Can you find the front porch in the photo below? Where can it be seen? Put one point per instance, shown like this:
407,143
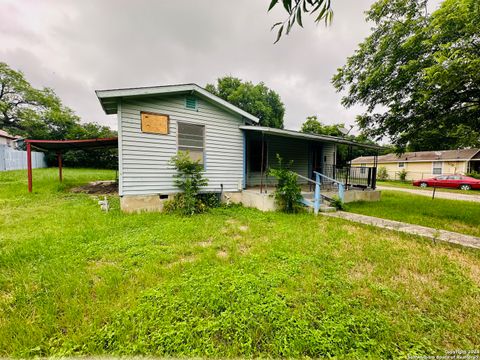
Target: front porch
313,158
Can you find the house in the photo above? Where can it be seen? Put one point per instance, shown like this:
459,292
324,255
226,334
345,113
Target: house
426,164
7,139
154,123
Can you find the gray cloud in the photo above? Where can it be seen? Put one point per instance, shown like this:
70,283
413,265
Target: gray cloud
76,47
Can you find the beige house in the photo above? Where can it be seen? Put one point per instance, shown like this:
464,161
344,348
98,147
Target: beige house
425,164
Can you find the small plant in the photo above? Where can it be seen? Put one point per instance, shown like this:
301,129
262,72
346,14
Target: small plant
474,174
288,193
337,203
403,175
382,174
189,179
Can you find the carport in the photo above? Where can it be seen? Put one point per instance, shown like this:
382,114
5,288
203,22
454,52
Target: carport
60,146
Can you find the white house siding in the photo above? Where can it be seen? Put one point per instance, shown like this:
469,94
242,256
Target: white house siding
144,158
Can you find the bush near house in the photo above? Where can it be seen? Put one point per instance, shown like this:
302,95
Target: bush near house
288,193
233,282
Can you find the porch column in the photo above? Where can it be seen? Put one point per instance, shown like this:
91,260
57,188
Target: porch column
59,157
29,166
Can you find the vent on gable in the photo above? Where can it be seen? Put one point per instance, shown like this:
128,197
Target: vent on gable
191,103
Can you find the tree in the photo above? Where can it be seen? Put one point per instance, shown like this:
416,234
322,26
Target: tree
313,126
257,100
320,9
31,112
417,73
40,114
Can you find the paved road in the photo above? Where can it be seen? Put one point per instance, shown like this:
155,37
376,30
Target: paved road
438,194
430,233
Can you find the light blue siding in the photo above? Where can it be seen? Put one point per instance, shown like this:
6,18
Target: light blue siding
144,158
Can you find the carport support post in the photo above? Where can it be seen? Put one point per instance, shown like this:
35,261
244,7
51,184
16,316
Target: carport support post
59,157
29,166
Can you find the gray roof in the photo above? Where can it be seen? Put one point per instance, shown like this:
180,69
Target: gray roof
425,156
109,98
306,136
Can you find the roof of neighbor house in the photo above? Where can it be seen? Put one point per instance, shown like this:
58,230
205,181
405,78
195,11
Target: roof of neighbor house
422,156
4,134
109,98
306,136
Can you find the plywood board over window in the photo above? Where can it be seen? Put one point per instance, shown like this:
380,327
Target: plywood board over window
155,123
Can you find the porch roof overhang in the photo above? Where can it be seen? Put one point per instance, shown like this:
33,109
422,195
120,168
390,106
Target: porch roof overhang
306,136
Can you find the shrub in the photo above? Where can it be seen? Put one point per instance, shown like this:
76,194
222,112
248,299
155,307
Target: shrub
403,175
337,203
288,193
189,179
382,174
474,174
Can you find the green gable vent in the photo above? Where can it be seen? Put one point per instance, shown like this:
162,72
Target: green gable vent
191,103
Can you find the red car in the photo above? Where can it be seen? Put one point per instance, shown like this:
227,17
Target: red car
450,181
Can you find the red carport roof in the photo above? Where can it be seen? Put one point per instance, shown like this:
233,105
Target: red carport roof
85,144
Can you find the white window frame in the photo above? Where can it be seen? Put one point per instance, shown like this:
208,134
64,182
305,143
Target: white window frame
204,162
363,169
433,167
401,164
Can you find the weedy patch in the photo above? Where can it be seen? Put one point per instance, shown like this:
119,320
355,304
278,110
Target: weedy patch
233,282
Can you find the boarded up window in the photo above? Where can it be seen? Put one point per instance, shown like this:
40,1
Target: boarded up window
191,139
155,123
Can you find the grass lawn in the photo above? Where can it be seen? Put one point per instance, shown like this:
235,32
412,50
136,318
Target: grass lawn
452,215
234,282
408,185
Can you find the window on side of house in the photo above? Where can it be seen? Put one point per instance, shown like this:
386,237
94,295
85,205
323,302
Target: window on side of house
437,167
401,164
255,155
363,168
191,139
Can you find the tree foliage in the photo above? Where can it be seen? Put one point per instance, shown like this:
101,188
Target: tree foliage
257,100
39,114
418,74
314,126
320,9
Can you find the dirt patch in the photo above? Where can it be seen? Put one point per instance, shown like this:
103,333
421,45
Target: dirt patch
222,254
205,243
97,187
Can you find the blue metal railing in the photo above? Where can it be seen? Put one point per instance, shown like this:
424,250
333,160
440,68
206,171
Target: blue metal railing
341,187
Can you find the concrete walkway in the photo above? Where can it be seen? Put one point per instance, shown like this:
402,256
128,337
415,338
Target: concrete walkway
433,234
438,194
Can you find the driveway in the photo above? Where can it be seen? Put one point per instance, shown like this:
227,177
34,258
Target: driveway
438,194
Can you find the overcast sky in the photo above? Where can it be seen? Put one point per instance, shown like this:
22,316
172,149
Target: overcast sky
76,47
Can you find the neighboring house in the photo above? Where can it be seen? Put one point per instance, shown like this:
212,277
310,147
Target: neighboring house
425,164
13,159
154,123
7,139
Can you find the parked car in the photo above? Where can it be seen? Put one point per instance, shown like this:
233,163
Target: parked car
450,181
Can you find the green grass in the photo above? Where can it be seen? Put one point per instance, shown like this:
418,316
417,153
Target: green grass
408,185
452,215
234,282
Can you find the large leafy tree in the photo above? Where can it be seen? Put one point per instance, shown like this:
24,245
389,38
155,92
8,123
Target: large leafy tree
418,74
30,112
40,114
257,99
